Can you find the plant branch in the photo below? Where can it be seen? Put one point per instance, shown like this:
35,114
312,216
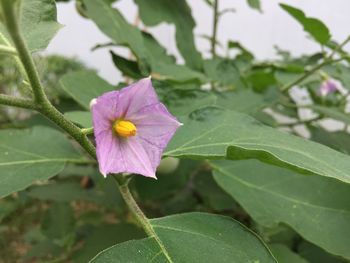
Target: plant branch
17,102
215,28
122,183
309,73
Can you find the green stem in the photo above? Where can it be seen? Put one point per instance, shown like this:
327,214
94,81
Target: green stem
309,73
137,212
215,28
17,102
23,52
87,131
7,50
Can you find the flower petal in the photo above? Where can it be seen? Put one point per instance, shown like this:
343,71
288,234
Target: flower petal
155,124
108,153
105,111
137,96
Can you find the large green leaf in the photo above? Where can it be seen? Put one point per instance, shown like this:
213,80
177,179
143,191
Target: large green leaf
192,237
316,207
216,133
154,12
83,86
31,155
316,28
38,23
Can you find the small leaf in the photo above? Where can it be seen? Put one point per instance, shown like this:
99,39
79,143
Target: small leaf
316,207
316,28
192,237
255,4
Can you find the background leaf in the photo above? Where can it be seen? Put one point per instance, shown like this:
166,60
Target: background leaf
37,23
31,155
316,28
83,86
317,208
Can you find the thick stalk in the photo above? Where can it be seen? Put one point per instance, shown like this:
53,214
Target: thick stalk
137,212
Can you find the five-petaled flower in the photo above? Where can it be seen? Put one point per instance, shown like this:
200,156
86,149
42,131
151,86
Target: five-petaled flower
328,86
131,129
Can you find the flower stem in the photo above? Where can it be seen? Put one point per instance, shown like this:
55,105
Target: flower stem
137,212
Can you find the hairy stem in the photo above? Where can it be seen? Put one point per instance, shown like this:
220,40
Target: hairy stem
137,212
215,28
17,102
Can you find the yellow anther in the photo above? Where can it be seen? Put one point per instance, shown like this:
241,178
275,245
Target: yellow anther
125,128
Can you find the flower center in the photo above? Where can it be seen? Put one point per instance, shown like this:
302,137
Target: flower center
125,128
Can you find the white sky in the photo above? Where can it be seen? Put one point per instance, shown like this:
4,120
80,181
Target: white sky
257,32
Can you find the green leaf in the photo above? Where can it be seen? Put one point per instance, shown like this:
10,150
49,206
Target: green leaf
315,254
83,86
154,12
216,133
255,4
113,24
284,255
38,23
192,237
318,208
83,118
31,155
316,28
58,221
127,67
103,237
223,71
176,73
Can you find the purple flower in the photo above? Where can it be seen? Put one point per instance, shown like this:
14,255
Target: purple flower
131,129
328,86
